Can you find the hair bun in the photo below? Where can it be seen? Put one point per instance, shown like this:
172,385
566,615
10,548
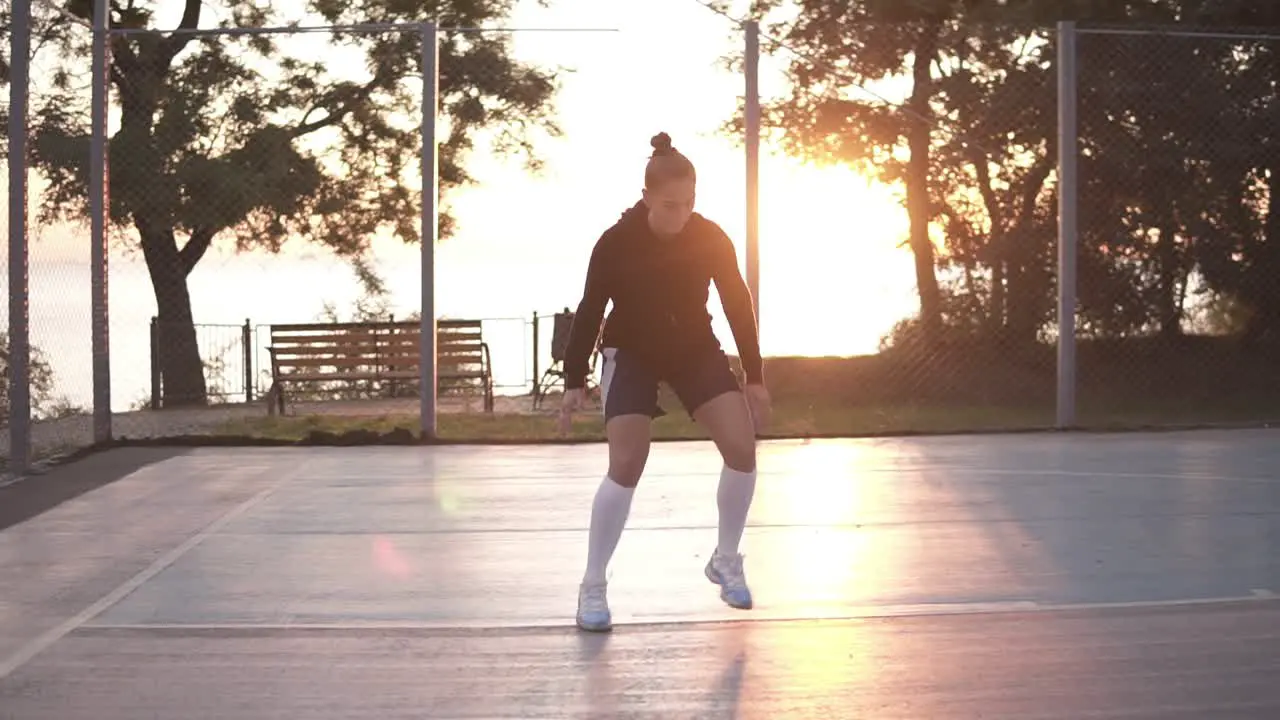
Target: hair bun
662,144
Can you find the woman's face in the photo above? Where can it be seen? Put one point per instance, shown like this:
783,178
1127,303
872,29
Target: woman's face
670,206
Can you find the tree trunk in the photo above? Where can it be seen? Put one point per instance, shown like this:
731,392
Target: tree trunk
1024,297
996,314
919,207
181,368
1168,270
997,242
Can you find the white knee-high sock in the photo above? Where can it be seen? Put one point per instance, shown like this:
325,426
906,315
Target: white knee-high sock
608,518
734,501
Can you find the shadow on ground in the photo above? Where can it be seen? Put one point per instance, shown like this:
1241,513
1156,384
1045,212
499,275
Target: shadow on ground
36,494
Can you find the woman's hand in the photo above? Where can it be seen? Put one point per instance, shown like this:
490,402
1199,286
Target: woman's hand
573,401
761,406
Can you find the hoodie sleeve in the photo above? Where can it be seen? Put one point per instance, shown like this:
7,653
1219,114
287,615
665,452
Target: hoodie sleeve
586,321
735,297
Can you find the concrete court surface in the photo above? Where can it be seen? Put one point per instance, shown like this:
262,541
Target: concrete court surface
1031,576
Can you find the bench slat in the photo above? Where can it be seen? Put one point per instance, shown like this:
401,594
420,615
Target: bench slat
325,327
373,331
373,359
350,362
380,351
331,346
390,375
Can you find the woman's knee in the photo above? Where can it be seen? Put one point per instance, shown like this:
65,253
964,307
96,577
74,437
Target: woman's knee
728,419
739,452
627,472
628,449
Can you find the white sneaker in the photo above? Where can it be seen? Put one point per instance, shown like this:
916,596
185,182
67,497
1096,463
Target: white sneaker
726,571
593,608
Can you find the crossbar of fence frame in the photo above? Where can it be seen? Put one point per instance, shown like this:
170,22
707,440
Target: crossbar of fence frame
1164,32
333,29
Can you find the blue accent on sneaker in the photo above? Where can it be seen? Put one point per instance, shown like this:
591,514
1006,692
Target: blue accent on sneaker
738,597
593,608
595,621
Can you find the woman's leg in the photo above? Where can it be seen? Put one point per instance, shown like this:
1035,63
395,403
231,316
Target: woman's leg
628,437
629,393
714,399
728,422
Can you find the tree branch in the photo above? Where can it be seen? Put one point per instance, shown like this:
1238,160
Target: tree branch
197,245
357,97
177,41
122,55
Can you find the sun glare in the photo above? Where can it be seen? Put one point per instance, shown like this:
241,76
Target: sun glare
834,277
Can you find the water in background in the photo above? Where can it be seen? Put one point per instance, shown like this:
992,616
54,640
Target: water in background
472,283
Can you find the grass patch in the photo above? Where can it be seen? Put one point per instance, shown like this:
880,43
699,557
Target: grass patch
789,421
1189,382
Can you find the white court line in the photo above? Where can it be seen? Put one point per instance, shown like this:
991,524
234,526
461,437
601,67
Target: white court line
53,635
852,613
1117,475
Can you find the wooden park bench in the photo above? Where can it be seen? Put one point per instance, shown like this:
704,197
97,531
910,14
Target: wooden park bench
379,351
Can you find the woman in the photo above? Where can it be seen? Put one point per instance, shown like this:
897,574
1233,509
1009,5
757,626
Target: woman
656,265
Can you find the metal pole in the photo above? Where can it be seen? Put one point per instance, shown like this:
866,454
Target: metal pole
752,113
98,189
1068,240
19,323
430,227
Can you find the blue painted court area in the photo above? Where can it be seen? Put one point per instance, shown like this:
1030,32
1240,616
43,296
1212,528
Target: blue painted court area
1045,576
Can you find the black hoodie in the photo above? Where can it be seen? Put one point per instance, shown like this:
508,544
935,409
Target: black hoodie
659,288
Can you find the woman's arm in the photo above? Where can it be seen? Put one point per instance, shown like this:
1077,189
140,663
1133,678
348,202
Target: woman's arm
586,322
735,298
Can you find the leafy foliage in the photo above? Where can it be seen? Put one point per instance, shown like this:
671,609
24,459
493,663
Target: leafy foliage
268,138
956,100
46,401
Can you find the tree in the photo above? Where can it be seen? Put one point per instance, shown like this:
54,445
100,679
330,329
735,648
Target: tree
996,152
1177,138
1243,262
259,140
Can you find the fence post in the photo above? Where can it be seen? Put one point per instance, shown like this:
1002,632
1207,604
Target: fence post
155,363
430,230
1068,133
535,357
752,117
98,256
19,291
246,341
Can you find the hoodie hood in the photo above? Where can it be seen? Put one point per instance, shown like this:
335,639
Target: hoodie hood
636,213
635,219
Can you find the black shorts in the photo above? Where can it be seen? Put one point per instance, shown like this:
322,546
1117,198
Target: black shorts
629,386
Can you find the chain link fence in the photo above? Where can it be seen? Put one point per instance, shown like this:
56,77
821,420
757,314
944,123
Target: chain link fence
1153,241
48,326
934,267
1179,271
922,238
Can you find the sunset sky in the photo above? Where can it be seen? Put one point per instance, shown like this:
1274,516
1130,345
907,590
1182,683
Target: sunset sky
834,277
